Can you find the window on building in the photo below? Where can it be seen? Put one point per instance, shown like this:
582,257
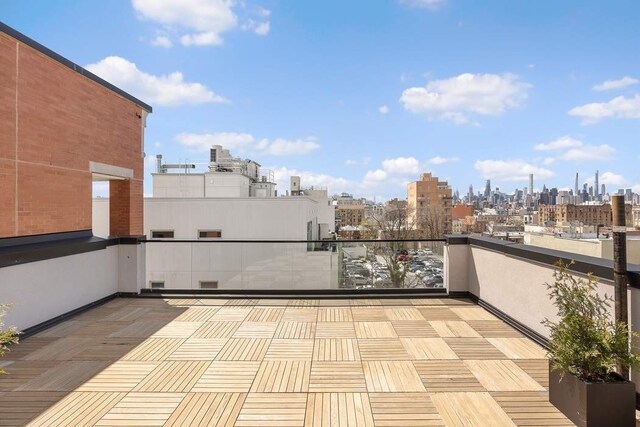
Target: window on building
157,285
210,234
162,234
208,284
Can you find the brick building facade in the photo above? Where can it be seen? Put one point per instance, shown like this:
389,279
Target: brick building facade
60,128
586,214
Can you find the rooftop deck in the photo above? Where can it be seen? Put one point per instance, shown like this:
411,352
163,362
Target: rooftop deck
384,362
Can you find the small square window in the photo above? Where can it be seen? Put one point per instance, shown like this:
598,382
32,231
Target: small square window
162,234
157,285
210,234
209,284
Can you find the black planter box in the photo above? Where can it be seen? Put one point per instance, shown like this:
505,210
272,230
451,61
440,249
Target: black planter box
593,404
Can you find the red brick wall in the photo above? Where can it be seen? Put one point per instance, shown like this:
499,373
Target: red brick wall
64,121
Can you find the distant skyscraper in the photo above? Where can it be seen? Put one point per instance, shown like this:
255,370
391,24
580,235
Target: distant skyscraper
576,192
531,184
470,193
487,188
596,188
603,191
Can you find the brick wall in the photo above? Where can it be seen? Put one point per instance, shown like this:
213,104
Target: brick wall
53,122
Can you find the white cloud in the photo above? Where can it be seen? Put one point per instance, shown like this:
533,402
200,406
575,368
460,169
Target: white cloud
455,98
559,144
635,188
438,160
401,166
375,175
352,162
549,161
244,142
286,147
618,108
510,170
616,84
427,4
383,109
609,178
589,152
204,20
263,29
162,41
165,90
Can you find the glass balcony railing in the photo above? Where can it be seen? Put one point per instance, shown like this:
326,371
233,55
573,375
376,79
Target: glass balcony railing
294,265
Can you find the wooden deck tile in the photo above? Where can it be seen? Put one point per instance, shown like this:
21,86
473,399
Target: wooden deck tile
62,329
427,348
338,409
273,302
244,349
122,376
154,349
404,409
473,313
427,301
537,369
382,349
295,330
20,407
470,409
173,376
474,348
215,302
149,409
177,330
265,315
22,371
530,408
216,329
27,347
290,350
369,314
300,315
282,376
335,330
438,313
356,302
197,314
207,409
142,328
181,302
227,377
65,376
454,329
414,329
519,348
494,329
337,377
256,330
78,409
341,314
100,328
241,302
446,375
231,314
303,303
336,349
404,313
334,302
198,349
273,409
396,302
61,349
391,376
502,375
375,330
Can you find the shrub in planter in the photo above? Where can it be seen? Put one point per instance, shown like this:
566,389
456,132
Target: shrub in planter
7,336
585,348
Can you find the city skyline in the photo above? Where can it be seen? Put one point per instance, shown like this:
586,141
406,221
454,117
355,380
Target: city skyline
364,99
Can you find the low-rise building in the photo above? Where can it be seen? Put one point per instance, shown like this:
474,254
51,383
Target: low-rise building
585,214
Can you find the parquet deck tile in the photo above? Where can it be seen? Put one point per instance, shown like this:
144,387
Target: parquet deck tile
61,349
122,376
23,371
142,328
502,375
273,409
369,314
494,329
428,348
198,349
217,329
300,314
19,407
154,349
173,376
473,313
369,302
213,302
295,330
375,330
65,376
177,330
231,314
474,348
404,313
337,377
303,303
339,314
438,313
537,369
265,315
391,376
290,349
530,408
470,409
334,302
282,376
335,330
197,314
382,349
256,330
427,301
149,409
181,302
518,348
414,328
454,329
240,302
207,409
404,409
338,409
447,375
336,349
227,377
107,349
27,347
253,349
79,409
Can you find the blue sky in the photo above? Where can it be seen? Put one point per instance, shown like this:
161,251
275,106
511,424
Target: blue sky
362,96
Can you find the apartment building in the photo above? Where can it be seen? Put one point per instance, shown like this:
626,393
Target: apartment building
350,215
429,202
563,215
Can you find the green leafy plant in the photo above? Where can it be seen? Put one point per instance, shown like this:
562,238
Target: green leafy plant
7,336
586,341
